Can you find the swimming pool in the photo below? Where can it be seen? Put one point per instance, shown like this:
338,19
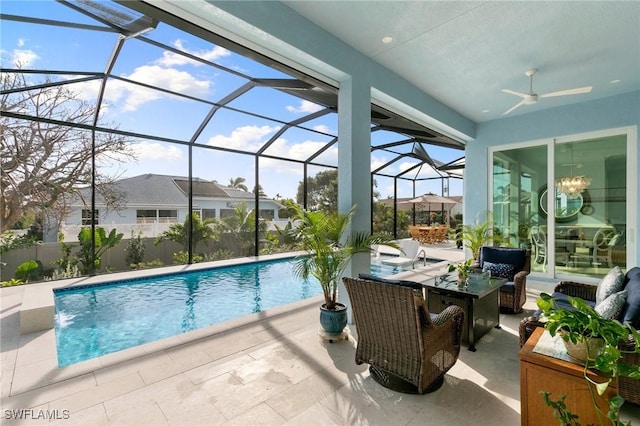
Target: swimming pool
96,320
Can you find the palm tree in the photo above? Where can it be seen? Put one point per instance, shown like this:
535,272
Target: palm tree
202,230
238,183
258,189
329,247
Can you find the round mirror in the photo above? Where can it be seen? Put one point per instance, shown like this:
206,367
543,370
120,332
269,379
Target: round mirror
566,208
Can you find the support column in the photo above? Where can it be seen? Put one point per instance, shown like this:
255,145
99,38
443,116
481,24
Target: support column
354,166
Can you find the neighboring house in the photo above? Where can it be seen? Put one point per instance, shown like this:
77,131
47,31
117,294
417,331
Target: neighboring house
151,203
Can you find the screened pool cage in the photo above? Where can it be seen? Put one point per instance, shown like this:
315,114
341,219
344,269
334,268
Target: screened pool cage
146,93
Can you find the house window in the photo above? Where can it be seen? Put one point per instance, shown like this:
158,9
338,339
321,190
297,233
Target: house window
227,213
156,216
86,217
208,214
267,214
167,216
145,216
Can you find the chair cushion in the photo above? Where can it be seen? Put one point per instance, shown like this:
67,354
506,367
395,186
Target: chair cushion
612,306
509,287
500,270
632,306
411,284
611,283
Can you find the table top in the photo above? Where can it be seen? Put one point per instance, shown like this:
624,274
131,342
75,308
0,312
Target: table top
449,283
559,361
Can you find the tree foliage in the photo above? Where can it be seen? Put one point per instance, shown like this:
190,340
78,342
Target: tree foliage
201,230
43,162
383,220
238,183
322,192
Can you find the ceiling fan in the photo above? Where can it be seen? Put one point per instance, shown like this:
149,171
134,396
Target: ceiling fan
532,97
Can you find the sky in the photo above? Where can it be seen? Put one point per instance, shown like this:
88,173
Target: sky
143,110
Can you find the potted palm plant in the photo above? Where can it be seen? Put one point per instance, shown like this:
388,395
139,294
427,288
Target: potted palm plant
329,247
480,234
590,336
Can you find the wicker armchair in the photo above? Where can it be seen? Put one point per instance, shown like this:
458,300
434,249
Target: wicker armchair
513,295
407,349
628,388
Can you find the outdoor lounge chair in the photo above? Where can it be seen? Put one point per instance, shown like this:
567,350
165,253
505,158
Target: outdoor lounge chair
410,252
514,264
407,349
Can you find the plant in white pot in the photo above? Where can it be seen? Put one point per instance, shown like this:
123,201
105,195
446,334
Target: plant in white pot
329,247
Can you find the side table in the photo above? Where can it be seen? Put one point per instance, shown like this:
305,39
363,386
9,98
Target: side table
557,376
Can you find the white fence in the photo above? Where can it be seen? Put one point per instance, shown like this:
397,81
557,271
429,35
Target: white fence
145,230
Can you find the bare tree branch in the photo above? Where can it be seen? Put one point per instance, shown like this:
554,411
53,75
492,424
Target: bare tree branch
42,164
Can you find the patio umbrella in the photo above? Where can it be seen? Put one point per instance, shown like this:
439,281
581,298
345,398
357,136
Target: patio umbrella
430,198
433,202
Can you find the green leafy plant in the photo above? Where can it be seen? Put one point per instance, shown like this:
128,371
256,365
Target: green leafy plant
29,271
147,265
12,282
329,247
479,234
463,268
135,250
103,242
201,231
582,322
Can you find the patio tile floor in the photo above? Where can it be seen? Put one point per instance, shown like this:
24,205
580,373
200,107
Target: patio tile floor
266,369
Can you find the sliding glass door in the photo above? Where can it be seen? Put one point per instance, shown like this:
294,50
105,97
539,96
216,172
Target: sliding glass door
573,215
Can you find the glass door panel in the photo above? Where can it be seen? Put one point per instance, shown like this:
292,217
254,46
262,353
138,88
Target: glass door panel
590,205
518,177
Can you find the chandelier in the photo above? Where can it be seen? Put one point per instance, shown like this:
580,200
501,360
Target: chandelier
572,185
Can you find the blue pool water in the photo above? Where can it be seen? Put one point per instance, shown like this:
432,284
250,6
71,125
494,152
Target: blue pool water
96,320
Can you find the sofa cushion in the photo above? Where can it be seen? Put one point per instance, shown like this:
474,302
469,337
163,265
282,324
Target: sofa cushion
611,283
412,284
631,313
612,306
500,270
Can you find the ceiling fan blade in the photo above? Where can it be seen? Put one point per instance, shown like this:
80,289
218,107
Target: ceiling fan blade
513,92
513,107
577,91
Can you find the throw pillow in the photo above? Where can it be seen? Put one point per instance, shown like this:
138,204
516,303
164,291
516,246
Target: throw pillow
611,307
611,283
500,270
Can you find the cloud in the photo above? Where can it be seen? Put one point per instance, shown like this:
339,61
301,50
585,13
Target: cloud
23,57
296,151
132,96
170,59
305,107
247,138
322,128
155,151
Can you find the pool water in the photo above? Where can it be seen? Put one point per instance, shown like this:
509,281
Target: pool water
96,320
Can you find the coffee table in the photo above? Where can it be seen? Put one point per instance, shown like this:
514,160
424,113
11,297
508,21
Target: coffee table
479,300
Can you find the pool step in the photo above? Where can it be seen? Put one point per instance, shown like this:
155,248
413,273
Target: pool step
37,310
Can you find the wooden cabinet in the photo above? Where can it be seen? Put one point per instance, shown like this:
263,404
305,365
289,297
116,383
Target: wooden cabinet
559,377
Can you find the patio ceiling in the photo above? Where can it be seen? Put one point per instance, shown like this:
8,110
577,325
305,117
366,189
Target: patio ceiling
404,141
464,53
